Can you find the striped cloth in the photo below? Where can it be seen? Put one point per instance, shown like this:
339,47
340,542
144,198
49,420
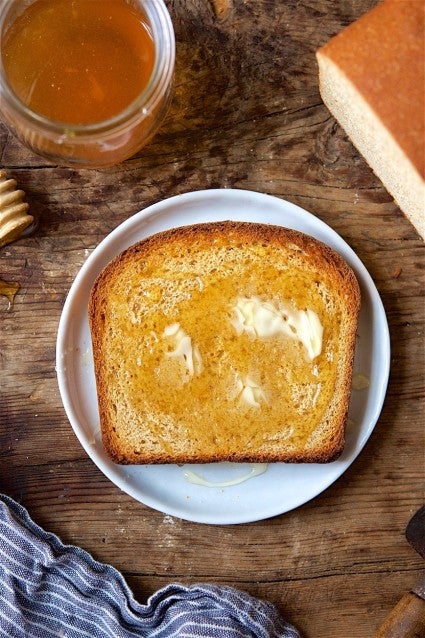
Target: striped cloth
48,590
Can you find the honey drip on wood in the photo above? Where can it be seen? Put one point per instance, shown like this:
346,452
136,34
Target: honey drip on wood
9,290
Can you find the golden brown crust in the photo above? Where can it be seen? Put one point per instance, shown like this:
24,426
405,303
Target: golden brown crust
147,256
382,55
248,232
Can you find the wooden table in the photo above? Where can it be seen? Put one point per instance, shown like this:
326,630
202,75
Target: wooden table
246,114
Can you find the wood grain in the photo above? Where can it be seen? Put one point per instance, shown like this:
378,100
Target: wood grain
247,114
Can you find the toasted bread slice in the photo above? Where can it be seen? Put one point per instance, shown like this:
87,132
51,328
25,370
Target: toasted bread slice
224,341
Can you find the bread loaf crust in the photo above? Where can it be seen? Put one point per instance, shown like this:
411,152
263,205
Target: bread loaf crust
372,79
382,54
181,246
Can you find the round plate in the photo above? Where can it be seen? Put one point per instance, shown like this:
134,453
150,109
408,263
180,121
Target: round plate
282,487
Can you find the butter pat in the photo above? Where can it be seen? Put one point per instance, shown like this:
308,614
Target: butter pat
250,393
184,351
263,319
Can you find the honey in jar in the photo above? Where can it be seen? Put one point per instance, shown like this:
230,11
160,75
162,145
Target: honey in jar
85,81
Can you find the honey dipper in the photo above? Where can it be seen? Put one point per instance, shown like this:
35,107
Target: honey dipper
14,217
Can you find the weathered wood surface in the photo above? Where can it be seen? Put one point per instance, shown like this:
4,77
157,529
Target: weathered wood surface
246,114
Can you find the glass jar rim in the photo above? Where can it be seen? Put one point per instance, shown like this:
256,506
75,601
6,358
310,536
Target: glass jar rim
161,76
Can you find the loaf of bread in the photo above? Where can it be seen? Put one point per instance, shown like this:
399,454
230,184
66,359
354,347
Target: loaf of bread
224,341
372,79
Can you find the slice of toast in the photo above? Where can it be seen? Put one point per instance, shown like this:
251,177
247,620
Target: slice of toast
224,341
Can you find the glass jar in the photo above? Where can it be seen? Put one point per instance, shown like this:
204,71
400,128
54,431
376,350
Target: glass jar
106,142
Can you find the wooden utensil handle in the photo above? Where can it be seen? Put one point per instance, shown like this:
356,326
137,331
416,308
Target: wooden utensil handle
406,620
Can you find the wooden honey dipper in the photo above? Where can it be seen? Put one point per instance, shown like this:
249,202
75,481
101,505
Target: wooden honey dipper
14,217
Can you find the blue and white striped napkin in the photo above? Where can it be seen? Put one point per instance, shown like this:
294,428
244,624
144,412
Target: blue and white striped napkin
52,590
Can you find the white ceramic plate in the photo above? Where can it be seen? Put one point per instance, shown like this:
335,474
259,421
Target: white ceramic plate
282,487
